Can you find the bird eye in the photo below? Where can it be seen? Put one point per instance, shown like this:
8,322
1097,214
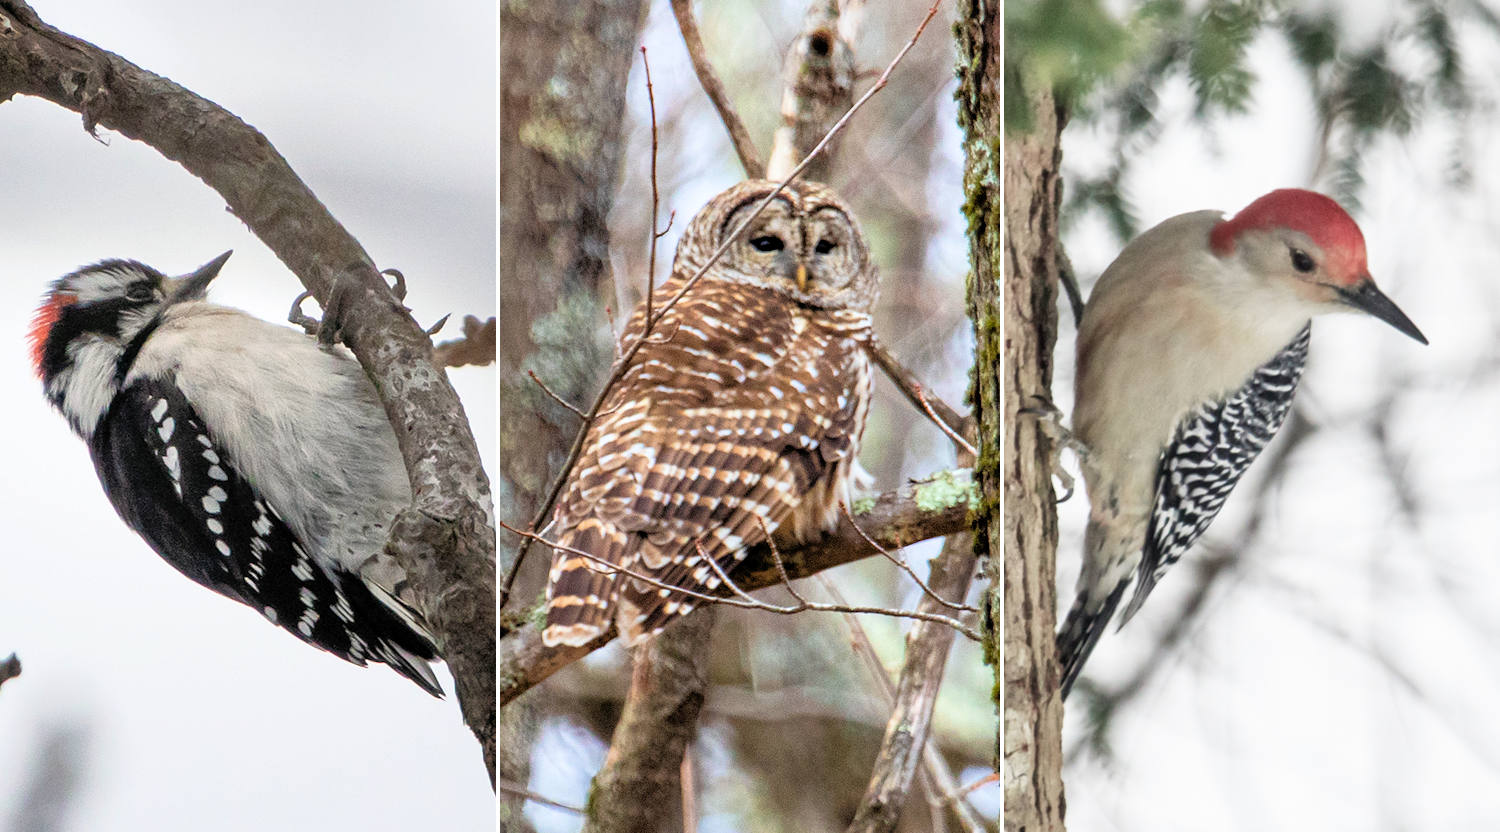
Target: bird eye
824,246
1302,262
140,292
767,243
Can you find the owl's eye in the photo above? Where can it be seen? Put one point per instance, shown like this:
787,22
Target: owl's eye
139,292
824,246
1302,262
767,243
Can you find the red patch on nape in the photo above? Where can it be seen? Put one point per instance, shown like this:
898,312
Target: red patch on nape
1311,213
41,325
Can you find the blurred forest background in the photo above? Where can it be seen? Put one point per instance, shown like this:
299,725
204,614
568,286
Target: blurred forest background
1325,657
792,717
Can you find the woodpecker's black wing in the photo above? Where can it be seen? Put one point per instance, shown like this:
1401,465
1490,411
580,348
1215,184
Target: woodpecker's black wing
1210,451
178,489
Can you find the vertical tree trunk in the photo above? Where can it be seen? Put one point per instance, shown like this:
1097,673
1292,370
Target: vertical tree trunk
1033,707
564,67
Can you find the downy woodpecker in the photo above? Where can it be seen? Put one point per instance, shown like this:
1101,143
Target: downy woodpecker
1189,352
254,461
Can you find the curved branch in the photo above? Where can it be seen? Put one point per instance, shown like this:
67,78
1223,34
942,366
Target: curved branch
445,540
930,508
744,146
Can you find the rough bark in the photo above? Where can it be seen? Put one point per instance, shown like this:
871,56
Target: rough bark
445,540
931,508
564,68
1033,708
639,787
927,647
817,88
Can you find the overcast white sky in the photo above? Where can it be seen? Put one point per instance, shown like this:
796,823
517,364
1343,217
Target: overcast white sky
194,713
1345,676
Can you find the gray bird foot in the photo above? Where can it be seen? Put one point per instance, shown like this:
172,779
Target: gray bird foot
327,329
1049,423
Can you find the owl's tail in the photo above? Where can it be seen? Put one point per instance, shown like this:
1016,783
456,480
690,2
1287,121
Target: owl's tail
581,590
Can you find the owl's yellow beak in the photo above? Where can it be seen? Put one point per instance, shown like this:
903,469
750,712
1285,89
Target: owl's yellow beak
801,277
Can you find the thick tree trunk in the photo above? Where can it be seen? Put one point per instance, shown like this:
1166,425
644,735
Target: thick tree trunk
1033,707
564,70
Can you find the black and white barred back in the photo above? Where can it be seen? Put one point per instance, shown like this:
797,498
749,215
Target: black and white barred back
114,344
1210,451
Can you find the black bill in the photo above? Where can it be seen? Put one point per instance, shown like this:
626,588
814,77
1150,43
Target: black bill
195,283
1368,297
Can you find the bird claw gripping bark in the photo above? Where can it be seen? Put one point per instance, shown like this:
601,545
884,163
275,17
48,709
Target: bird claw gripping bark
398,288
1049,423
327,329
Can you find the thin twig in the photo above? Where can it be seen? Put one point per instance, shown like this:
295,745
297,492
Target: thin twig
555,398
940,780
738,135
940,412
747,601
894,519
513,789
906,568
623,363
655,193
992,778
962,443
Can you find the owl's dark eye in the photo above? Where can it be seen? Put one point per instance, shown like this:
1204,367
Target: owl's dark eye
140,292
767,243
1302,262
824,246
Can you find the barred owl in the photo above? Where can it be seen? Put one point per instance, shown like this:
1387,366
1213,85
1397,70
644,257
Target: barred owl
742,413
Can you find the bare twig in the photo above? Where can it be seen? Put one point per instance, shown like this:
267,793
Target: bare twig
513,789
738,135
555,398
745,600
942,414
906,568
655,192
921,677
623,363
893,519
940,781
992,778
689,791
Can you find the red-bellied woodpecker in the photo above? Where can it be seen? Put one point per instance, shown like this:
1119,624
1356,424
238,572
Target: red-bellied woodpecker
1189,353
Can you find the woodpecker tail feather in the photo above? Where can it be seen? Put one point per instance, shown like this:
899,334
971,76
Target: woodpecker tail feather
398,636
1080,631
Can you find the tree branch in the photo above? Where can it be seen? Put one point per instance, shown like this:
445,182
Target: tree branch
445,540
744,147
931,508
640,781
927,647
817,85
